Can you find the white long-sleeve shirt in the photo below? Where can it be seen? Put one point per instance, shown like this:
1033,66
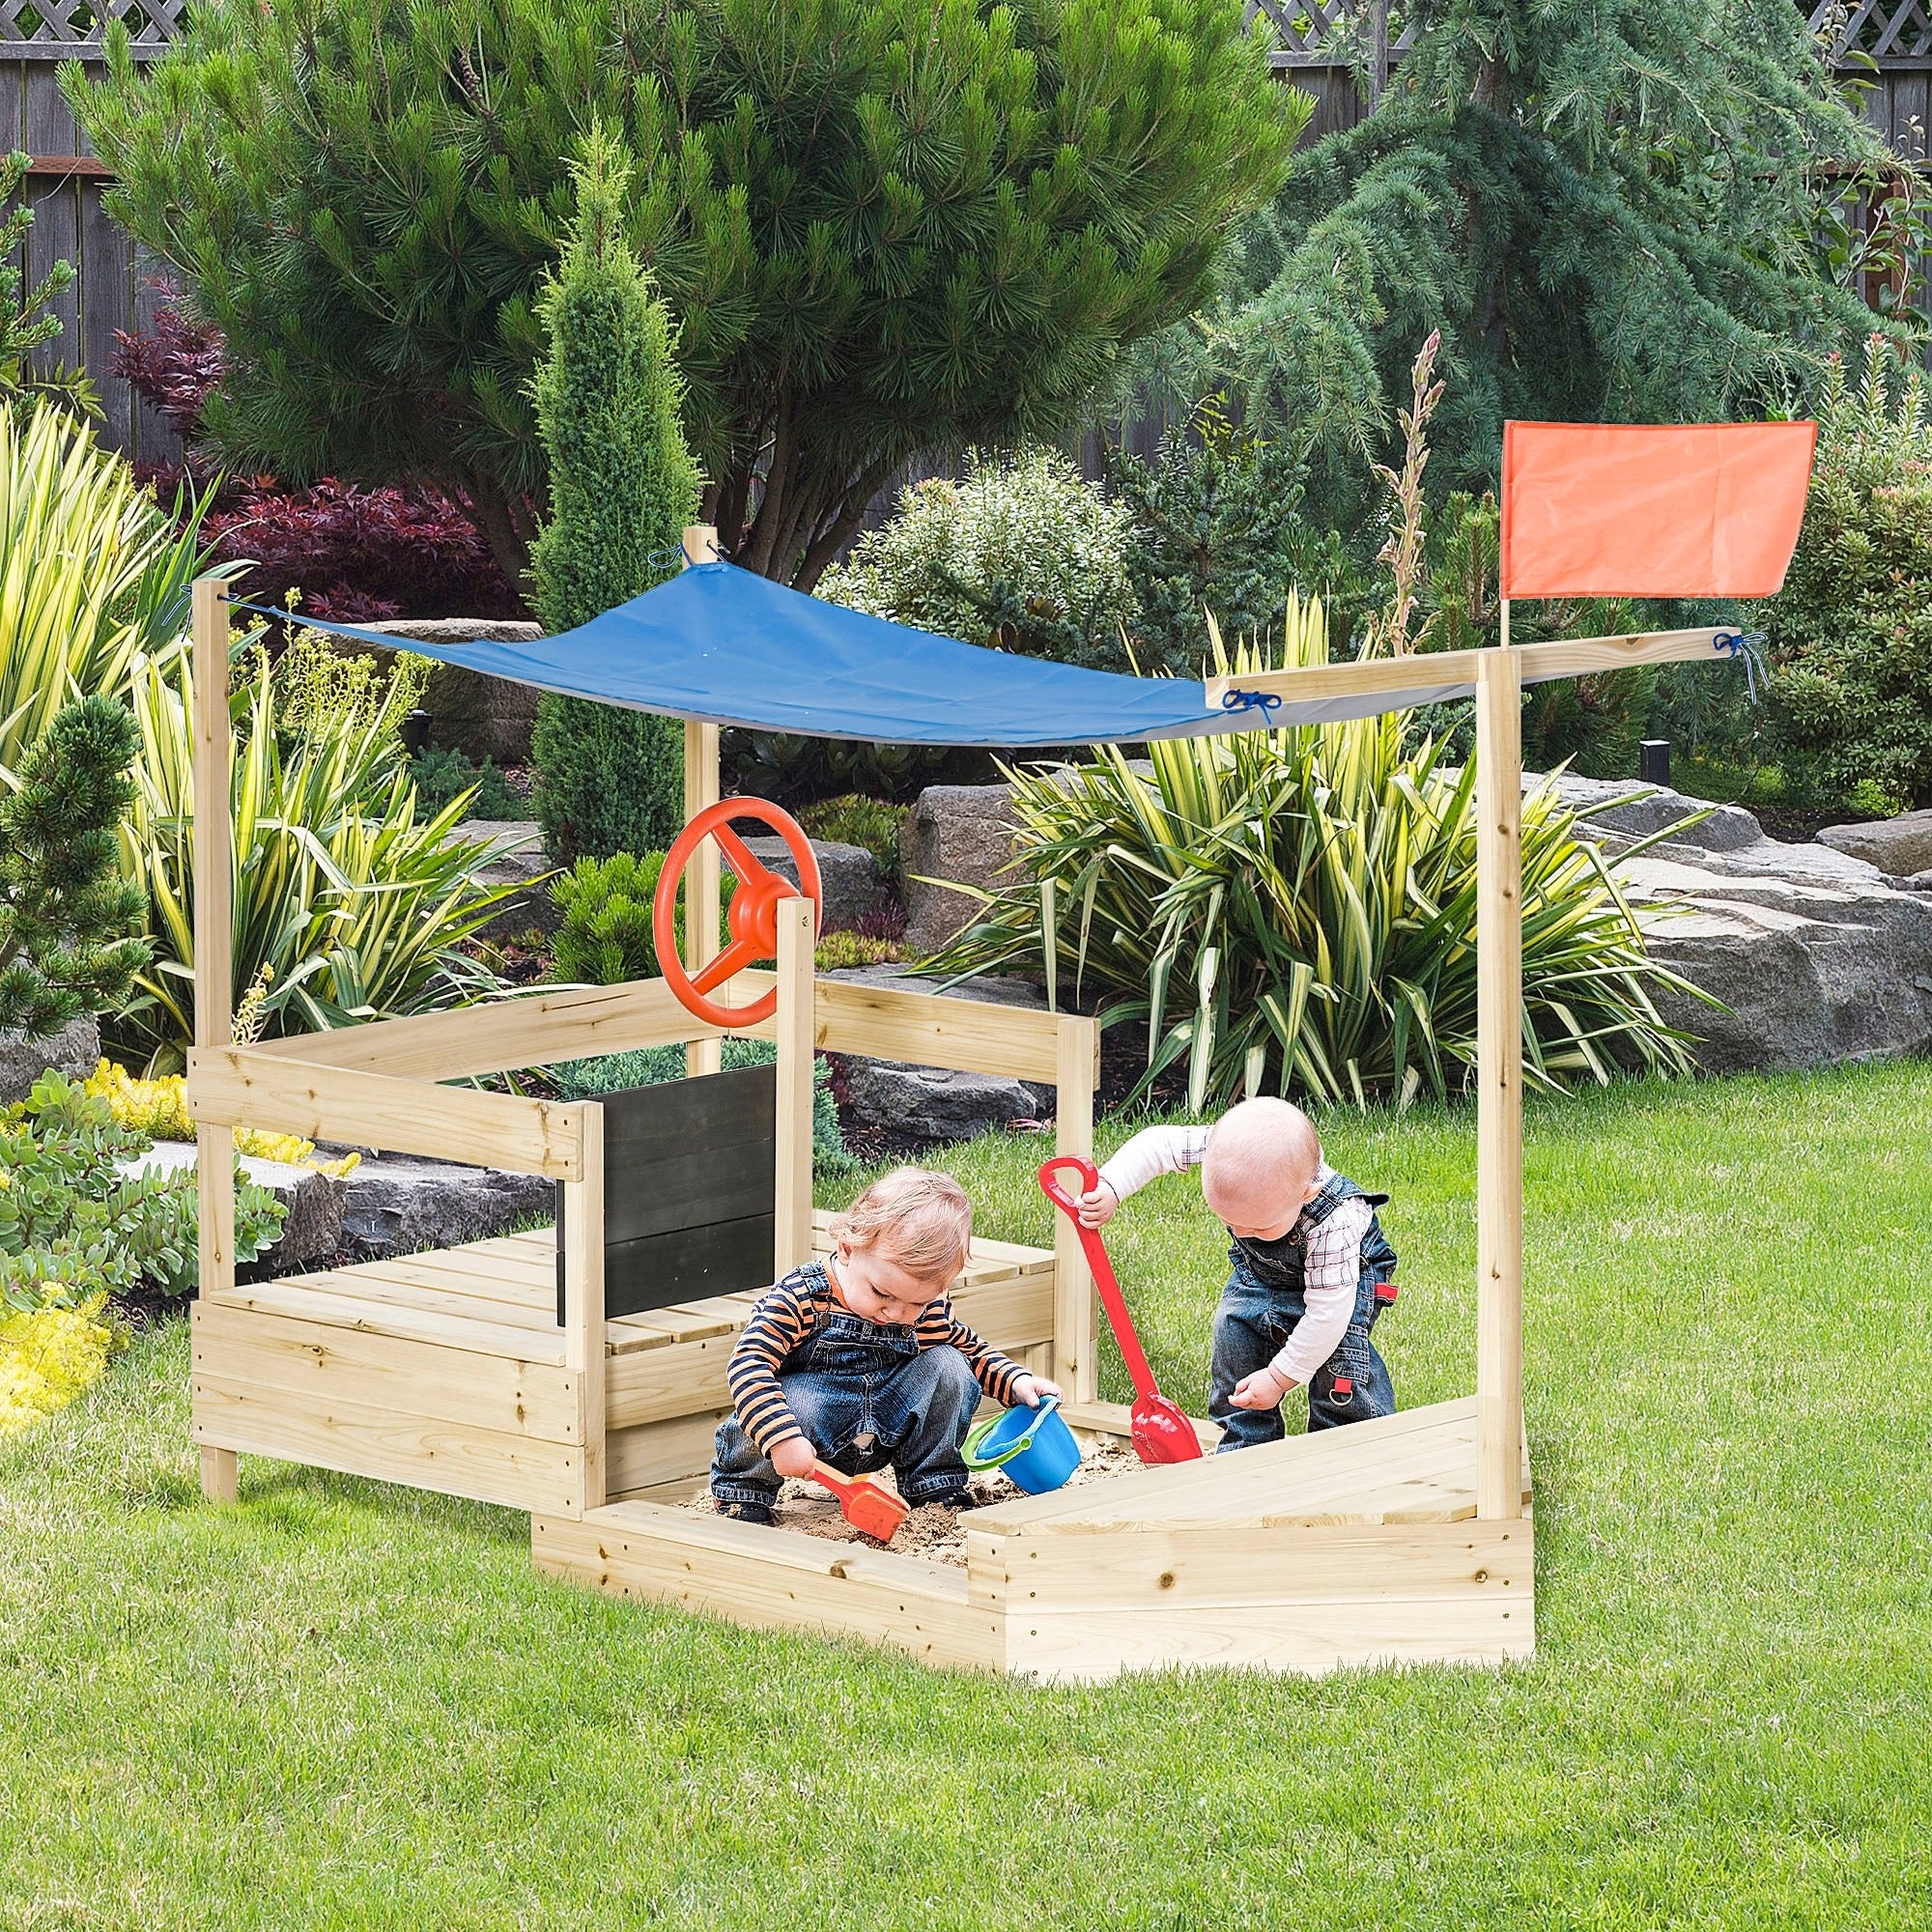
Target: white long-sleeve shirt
1331,1261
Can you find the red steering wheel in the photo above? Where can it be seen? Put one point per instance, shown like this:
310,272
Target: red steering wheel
753,920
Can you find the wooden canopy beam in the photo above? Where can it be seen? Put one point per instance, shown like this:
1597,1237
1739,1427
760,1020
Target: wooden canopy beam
1440,672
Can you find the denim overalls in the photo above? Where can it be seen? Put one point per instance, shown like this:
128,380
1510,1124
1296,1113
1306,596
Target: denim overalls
1259,1308
854,1379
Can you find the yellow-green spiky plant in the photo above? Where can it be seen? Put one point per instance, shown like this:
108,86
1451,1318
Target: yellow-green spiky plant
1296,910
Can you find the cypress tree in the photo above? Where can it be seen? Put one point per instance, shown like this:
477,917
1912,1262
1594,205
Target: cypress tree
69,922
622,488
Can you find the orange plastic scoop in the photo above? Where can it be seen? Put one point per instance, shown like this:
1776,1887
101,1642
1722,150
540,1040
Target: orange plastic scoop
871,1509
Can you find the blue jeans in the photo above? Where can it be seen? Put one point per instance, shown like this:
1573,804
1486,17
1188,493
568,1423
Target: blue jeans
1250,1327
854,1378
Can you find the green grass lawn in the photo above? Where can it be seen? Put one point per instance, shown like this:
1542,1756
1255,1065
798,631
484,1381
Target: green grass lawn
345,1705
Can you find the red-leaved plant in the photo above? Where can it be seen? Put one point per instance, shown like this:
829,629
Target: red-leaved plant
354,553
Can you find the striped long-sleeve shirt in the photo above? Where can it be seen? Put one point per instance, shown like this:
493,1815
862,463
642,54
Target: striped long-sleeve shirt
793,1312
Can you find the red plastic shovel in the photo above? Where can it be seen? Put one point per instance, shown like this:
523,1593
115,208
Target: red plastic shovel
1161,1432
869,1510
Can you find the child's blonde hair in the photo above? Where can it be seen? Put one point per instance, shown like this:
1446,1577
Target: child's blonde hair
920,1221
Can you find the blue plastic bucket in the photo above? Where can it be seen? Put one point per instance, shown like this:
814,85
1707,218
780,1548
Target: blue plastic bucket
1033,1446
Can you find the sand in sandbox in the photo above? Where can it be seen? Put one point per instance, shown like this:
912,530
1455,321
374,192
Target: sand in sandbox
939,1535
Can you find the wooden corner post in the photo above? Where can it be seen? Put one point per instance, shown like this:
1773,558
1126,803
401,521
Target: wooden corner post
1499,1085
214,964
1077,1077
700,788
584,1352
797,1044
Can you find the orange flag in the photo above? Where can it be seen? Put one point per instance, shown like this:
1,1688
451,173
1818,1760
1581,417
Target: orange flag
1621,510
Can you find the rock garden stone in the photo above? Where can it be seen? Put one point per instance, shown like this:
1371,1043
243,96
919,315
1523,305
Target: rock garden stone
847,874
518,859
1813,969
1899,847
312,1229
954,835
909,1107
481,717
74,1051
399,1204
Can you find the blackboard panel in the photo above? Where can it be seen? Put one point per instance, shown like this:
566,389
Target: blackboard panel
690,1191
688,1265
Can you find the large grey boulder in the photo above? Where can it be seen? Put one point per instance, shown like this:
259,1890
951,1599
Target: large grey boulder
399,1204
74,1051
312,1201
906,1107
848,875
517,859
1899,847
482,717
1622,812
954,835
1812,969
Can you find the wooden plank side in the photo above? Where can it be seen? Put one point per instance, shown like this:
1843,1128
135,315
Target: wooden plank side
675,1450
582,1310
926,1029
240,1087
314,1298
397,1285
1309,1640
771,1580
321,1363
1198,1567
422,1452
537,1030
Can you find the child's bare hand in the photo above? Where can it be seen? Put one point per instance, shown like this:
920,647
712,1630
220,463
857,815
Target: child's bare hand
1264,1389
794,1457
1098,1205
1033,1390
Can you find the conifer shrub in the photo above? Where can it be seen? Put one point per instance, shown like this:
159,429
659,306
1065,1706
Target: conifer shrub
606,937
1850,635
622,488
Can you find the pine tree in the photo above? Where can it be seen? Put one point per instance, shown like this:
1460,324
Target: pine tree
886,227
1612,209
622,488
68,920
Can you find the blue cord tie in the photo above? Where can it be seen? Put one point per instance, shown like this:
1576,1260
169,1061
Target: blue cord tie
1750,647
1267,702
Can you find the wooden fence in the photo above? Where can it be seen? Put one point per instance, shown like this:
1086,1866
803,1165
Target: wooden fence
1341,52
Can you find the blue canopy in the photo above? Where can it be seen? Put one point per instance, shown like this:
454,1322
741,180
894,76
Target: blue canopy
725,646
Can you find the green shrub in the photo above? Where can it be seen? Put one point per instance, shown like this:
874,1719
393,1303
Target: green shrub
68,920
653,1066
857,820
606,937
1216,526
442,776
837,950
72,1225
794,769
1850,635
1020,553
1296,909
322,690
352,905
